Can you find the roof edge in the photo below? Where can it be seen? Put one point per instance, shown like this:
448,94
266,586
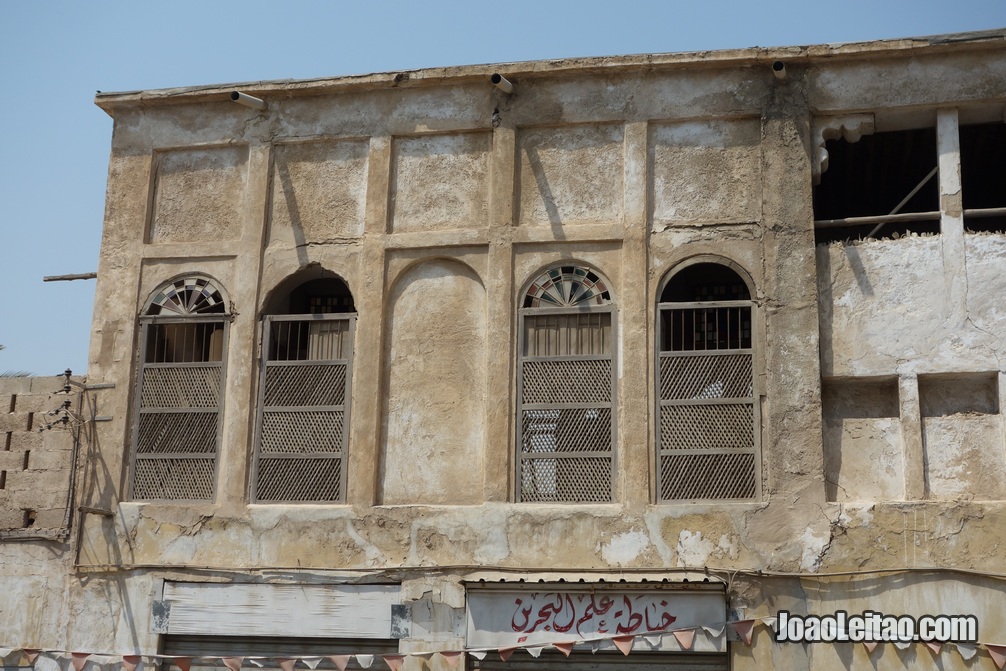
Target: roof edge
551,67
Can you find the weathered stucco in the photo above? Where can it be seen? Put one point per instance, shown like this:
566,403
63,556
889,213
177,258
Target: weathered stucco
878,374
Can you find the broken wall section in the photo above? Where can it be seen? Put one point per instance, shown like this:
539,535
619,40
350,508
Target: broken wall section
36,455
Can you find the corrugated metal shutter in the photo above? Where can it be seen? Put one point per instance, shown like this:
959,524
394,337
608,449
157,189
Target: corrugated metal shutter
583,660
272,648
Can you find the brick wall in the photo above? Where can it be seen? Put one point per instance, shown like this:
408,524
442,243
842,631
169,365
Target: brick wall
35,466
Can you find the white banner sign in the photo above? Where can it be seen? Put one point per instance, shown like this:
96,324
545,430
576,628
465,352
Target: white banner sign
499,619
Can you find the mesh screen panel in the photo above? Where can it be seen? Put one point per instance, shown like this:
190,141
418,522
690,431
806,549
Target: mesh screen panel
178,479
180,387
684,427
566,430
177,432
567,381
301,479
707,476
301,432
705,376
305,385
566,479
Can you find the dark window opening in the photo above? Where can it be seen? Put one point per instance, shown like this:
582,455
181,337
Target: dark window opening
876,177
312,339
983,177
715,327
191,342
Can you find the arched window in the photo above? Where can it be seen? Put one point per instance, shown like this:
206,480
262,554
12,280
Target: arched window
707,416
304,393
566,388
176,423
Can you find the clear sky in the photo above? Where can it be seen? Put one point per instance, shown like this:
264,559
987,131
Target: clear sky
55,55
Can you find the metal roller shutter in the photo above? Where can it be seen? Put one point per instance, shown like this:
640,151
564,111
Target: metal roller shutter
583,660
273,647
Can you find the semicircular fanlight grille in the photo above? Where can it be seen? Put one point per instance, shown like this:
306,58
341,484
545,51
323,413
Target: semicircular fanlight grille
187,296
567,286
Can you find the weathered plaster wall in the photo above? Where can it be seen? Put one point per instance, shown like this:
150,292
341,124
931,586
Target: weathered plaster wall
632,169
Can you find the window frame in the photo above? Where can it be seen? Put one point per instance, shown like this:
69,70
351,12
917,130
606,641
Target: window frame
261,409
609,308
755,352
145,322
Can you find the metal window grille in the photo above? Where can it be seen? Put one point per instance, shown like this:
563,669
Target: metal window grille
707,420
566,391
303,409
176,423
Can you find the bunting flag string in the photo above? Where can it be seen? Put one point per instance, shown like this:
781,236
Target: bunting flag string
684,636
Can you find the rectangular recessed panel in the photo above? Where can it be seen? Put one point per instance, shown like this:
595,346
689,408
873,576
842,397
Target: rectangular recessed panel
567,381
689,427
302,432
177,432
566,480
299,479
178,479
707,476
566,430
303,385
705,376
180,387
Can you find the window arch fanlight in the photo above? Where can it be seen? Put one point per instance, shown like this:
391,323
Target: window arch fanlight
566,388
304,391
176,422
707,420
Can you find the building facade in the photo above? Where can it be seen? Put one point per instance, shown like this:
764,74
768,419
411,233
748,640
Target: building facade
541,361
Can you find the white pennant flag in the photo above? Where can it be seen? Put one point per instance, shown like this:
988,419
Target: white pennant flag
595,645
6,652
967,651
478,654
714,631
535,652
311,662
902,645
365,661
653,641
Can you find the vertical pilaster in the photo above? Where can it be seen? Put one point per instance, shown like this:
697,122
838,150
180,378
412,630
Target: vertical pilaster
911,437
499,454
951,213
635,329
366,428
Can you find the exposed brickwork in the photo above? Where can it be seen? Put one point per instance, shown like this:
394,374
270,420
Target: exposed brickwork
35,466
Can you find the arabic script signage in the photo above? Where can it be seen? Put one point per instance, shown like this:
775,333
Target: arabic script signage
505,618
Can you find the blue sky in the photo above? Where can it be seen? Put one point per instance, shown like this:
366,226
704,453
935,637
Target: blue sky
55,55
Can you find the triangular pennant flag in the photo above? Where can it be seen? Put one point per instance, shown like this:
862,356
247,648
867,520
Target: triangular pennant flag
998,654
31,654
595,645
870,646
967,651
744,629
286,663
770,621
715,632
183,663
685,638
535,652
5,652
478,654
365,661
452,657
257,661
130,662
902,645
505,653
313,662
394,662
340,661
624,643
653,641
79,659
232,663
934,646
422,655
564,648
